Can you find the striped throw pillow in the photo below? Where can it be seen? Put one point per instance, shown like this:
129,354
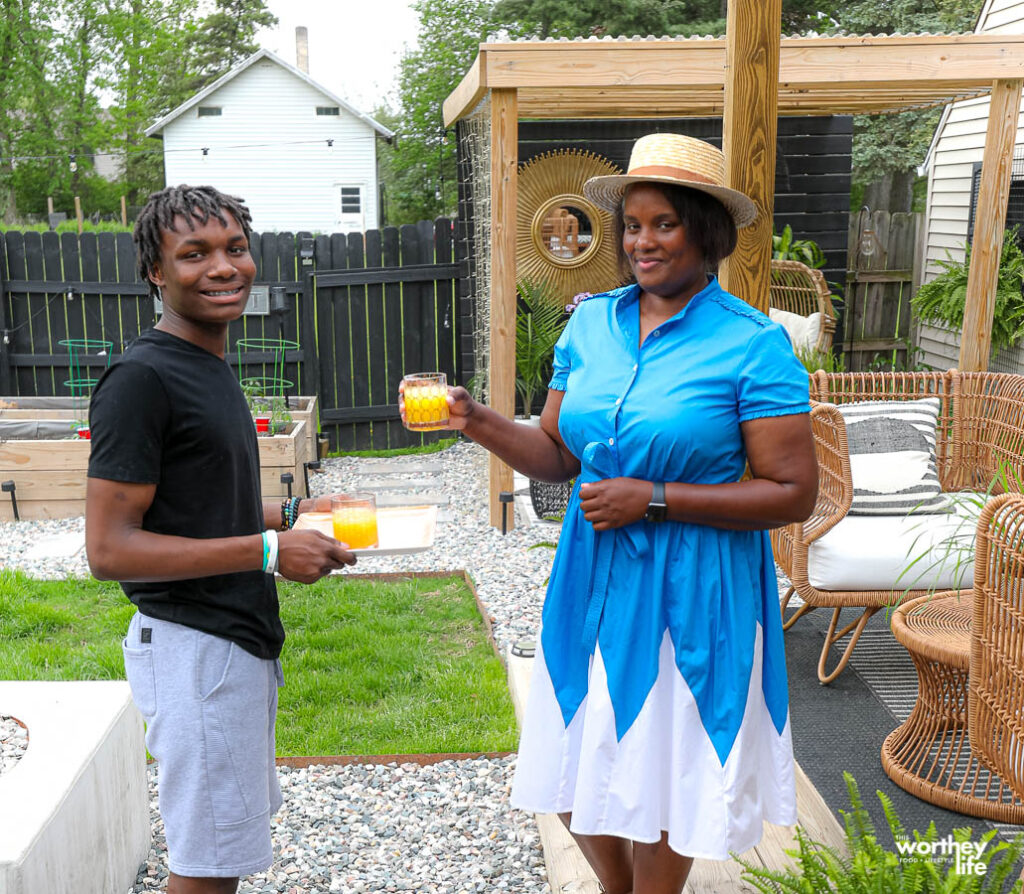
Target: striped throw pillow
892,456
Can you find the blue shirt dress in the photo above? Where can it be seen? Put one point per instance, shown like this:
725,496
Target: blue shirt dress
659,697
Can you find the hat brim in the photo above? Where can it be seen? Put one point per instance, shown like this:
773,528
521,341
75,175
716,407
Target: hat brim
606,192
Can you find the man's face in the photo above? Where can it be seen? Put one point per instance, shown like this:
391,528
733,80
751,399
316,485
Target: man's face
205,274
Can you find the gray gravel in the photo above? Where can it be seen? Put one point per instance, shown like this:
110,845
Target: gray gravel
13,742
443,828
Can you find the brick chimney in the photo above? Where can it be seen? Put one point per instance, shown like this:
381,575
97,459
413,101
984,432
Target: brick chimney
302,49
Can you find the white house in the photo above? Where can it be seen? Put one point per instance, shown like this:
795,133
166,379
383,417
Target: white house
301,157
953,166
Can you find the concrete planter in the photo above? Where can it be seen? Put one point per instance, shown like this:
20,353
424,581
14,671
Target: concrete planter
76,806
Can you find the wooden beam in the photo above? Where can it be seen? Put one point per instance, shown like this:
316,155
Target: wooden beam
749,129
989,224
853,63
463,99
502,368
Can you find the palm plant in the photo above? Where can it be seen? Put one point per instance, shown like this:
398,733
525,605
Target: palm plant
540,319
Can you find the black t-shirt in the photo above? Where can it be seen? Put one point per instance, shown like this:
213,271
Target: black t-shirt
172,414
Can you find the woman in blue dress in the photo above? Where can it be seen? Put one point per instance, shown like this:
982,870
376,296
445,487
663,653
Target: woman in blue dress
657,724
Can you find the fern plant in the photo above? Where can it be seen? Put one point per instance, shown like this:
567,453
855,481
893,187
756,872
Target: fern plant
942,300
873,869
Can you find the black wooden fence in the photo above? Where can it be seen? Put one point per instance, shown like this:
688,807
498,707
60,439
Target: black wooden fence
363,308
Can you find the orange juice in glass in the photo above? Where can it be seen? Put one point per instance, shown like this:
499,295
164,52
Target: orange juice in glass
354,517
426,401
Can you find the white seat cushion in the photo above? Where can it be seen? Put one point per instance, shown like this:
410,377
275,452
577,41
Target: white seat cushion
897,552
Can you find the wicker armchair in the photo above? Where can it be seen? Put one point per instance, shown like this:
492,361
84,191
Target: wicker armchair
995,700
980,435
962,747
802,290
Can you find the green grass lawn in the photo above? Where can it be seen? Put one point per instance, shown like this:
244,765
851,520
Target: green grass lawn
389,666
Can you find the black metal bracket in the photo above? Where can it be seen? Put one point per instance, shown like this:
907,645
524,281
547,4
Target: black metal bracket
288,478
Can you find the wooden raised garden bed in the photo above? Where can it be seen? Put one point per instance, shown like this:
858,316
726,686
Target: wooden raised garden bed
49,475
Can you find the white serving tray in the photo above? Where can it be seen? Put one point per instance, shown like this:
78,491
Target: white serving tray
401,530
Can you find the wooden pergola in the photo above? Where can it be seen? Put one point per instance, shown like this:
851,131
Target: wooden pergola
749,77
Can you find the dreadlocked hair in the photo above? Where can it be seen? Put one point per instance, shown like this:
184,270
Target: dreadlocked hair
192,203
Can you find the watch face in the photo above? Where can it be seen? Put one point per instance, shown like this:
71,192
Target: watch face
656,512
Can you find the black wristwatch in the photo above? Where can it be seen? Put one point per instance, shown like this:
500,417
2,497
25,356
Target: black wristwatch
657,509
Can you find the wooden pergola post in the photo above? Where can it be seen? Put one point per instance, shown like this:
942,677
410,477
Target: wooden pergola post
749,129
989,221
502,368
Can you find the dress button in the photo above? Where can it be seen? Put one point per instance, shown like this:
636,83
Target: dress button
634,367
618,401
657,333
611,441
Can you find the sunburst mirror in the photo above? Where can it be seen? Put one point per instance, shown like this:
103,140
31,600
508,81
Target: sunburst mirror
562,238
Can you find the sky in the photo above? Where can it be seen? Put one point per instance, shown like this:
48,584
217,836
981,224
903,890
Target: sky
354,45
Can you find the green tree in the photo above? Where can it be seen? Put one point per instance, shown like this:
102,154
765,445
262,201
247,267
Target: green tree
226,37
418,169
894,145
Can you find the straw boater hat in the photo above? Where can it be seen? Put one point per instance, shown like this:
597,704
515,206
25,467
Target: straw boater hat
673,158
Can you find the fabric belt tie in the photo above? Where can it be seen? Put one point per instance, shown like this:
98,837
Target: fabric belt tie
599,462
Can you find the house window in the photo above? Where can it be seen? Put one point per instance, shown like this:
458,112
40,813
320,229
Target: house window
351,199
1015,206
209,111
327,110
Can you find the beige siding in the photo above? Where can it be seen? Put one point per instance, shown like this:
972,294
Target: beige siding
940,349
270,147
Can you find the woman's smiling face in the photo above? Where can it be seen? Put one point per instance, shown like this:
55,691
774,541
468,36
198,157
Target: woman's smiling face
664,260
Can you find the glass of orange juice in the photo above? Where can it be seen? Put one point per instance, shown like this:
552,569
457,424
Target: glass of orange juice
354,517
426,401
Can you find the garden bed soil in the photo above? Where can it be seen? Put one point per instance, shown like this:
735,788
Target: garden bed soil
302,408
49,475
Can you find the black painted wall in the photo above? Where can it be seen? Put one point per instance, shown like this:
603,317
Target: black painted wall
812,178
812,170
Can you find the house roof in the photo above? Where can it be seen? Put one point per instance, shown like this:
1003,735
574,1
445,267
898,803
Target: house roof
941,126
671,76
259,55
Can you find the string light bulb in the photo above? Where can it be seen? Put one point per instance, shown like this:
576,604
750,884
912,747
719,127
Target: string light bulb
72,164
330,145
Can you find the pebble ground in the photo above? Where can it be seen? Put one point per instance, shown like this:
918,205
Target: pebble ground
445,828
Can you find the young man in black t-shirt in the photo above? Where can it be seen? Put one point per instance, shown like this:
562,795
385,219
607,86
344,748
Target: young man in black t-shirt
173,511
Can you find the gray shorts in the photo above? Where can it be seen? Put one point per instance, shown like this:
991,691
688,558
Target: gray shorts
209,708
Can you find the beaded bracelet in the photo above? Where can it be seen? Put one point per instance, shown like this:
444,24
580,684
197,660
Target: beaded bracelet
289,512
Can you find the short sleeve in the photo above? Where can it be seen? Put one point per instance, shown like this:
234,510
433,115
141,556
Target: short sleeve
127,418
562,363
771,381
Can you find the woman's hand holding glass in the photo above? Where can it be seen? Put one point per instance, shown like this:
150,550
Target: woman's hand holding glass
413,403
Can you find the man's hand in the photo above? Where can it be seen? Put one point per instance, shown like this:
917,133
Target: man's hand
307,555
614,502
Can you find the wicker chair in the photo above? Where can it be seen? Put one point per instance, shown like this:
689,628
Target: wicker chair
995,704
962,747
802,290
980,435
